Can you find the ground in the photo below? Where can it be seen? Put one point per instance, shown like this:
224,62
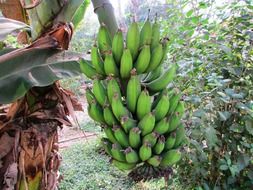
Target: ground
84,167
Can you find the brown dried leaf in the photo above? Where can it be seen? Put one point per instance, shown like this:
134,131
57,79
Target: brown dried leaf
69,106
13,9
6,144
10,177
63,121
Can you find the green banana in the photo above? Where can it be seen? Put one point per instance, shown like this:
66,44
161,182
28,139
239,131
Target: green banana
127,123
170,158
118,108
143,104
133,39
174,99
109,133
126,64
109,117
162,108
89,96
146,33
117,152
155,161
107,145
170,142
104,39
154,74
165,43
162,126
162,82
121,136
89,70
180,136
123,165
158,97
110,66
159,147
95,111
112,88
131,156
179,111
97,61
151,138
118,46
156,57
155,34
133,91
145,151
99,92
174,122
143,59
147,124
134,137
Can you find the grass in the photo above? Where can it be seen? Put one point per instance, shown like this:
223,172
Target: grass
91,126
85,169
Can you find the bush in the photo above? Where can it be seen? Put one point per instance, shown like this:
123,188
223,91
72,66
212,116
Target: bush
213,46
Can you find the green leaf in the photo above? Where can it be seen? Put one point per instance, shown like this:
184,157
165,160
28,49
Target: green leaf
224,115
211,136
235,127
189,13
226,49
224,167
203,5
79,14
36,67
199,113
249,126
73,11
243,161
8,26
195,19
206,36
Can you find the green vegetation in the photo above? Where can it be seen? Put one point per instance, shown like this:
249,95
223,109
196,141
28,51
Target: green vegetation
84,168
212,44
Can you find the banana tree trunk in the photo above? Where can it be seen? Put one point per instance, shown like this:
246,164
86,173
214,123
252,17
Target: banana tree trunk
29,157
29,139
105,13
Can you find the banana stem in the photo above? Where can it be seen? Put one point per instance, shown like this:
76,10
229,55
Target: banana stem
105,13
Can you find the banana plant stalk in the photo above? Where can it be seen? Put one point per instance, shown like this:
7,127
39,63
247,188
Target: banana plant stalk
28,127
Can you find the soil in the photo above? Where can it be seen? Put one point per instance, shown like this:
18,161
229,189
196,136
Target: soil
71,135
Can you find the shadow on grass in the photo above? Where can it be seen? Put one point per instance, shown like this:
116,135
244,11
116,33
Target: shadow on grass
84,168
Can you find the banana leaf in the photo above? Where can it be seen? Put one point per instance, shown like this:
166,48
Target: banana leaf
73,12
7,26
36,67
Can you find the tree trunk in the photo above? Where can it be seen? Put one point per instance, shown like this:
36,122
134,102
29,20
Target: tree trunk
29,158
105,13
28,139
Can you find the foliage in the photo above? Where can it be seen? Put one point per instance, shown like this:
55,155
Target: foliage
213,46
85,168
32,66
8,25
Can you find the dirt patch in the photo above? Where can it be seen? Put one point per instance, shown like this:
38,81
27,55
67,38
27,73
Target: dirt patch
71,135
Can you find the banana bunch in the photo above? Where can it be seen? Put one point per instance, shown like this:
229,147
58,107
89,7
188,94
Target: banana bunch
130,98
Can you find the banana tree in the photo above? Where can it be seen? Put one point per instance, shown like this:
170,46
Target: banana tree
36,105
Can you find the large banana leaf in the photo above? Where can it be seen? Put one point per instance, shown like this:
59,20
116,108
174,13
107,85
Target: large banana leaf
36,67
